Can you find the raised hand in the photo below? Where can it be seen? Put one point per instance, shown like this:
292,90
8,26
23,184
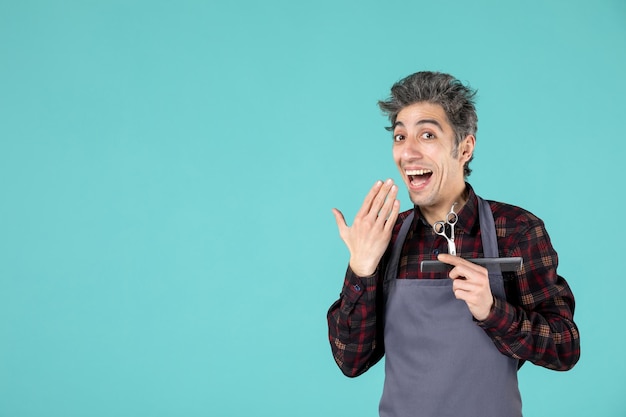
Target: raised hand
369,235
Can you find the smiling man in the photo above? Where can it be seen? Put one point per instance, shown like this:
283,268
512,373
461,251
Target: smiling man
453,340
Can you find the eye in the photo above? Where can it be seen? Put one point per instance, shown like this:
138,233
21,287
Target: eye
398,138
428,135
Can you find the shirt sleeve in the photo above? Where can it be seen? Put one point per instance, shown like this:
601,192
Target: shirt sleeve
353,329
536,322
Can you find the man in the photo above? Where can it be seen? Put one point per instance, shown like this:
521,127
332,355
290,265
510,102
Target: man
453,340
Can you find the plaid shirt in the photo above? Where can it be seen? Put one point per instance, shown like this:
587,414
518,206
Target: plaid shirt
534,323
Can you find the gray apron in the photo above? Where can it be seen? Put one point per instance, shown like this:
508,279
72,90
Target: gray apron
438,361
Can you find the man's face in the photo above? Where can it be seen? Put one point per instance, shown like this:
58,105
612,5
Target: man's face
423,149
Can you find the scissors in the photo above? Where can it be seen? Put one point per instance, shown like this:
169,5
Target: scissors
440,228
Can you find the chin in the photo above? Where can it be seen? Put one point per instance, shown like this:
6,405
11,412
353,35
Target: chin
421,200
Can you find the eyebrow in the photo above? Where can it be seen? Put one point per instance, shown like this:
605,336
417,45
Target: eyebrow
421,122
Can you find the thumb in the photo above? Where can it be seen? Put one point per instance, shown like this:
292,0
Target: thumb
341,221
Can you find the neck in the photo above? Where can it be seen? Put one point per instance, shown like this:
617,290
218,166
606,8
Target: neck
440,211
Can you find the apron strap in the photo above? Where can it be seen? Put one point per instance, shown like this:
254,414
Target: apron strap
487,229
391,272
490,247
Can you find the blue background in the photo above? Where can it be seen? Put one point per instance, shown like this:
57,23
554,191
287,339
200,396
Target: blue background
168,169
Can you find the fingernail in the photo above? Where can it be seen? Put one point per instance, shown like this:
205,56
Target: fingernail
389,181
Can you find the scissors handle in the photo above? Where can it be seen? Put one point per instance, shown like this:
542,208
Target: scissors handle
440,228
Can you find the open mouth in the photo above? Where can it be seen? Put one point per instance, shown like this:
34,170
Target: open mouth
418,177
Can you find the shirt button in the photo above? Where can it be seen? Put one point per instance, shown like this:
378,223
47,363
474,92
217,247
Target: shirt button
357,287
436,252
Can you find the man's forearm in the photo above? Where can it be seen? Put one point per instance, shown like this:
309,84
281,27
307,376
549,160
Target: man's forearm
353,325
546,337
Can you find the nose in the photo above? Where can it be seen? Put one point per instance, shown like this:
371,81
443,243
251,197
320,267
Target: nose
411,149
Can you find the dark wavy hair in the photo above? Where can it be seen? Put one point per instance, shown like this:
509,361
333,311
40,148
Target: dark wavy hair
456,99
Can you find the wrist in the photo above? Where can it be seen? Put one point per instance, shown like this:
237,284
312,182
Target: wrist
363,271
487,312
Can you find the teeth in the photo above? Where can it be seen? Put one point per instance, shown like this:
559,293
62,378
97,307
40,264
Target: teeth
418,171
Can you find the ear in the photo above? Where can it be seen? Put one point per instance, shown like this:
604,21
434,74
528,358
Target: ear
466,148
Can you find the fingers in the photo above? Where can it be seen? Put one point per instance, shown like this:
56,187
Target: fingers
388,202
393,216
470,284
462,268
375,200
369,198
388,189
380,204
454,260
467,276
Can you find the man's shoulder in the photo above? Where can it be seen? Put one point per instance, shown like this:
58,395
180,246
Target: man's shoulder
505,213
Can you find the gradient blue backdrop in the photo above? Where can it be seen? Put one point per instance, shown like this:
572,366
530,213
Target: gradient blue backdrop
168,169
